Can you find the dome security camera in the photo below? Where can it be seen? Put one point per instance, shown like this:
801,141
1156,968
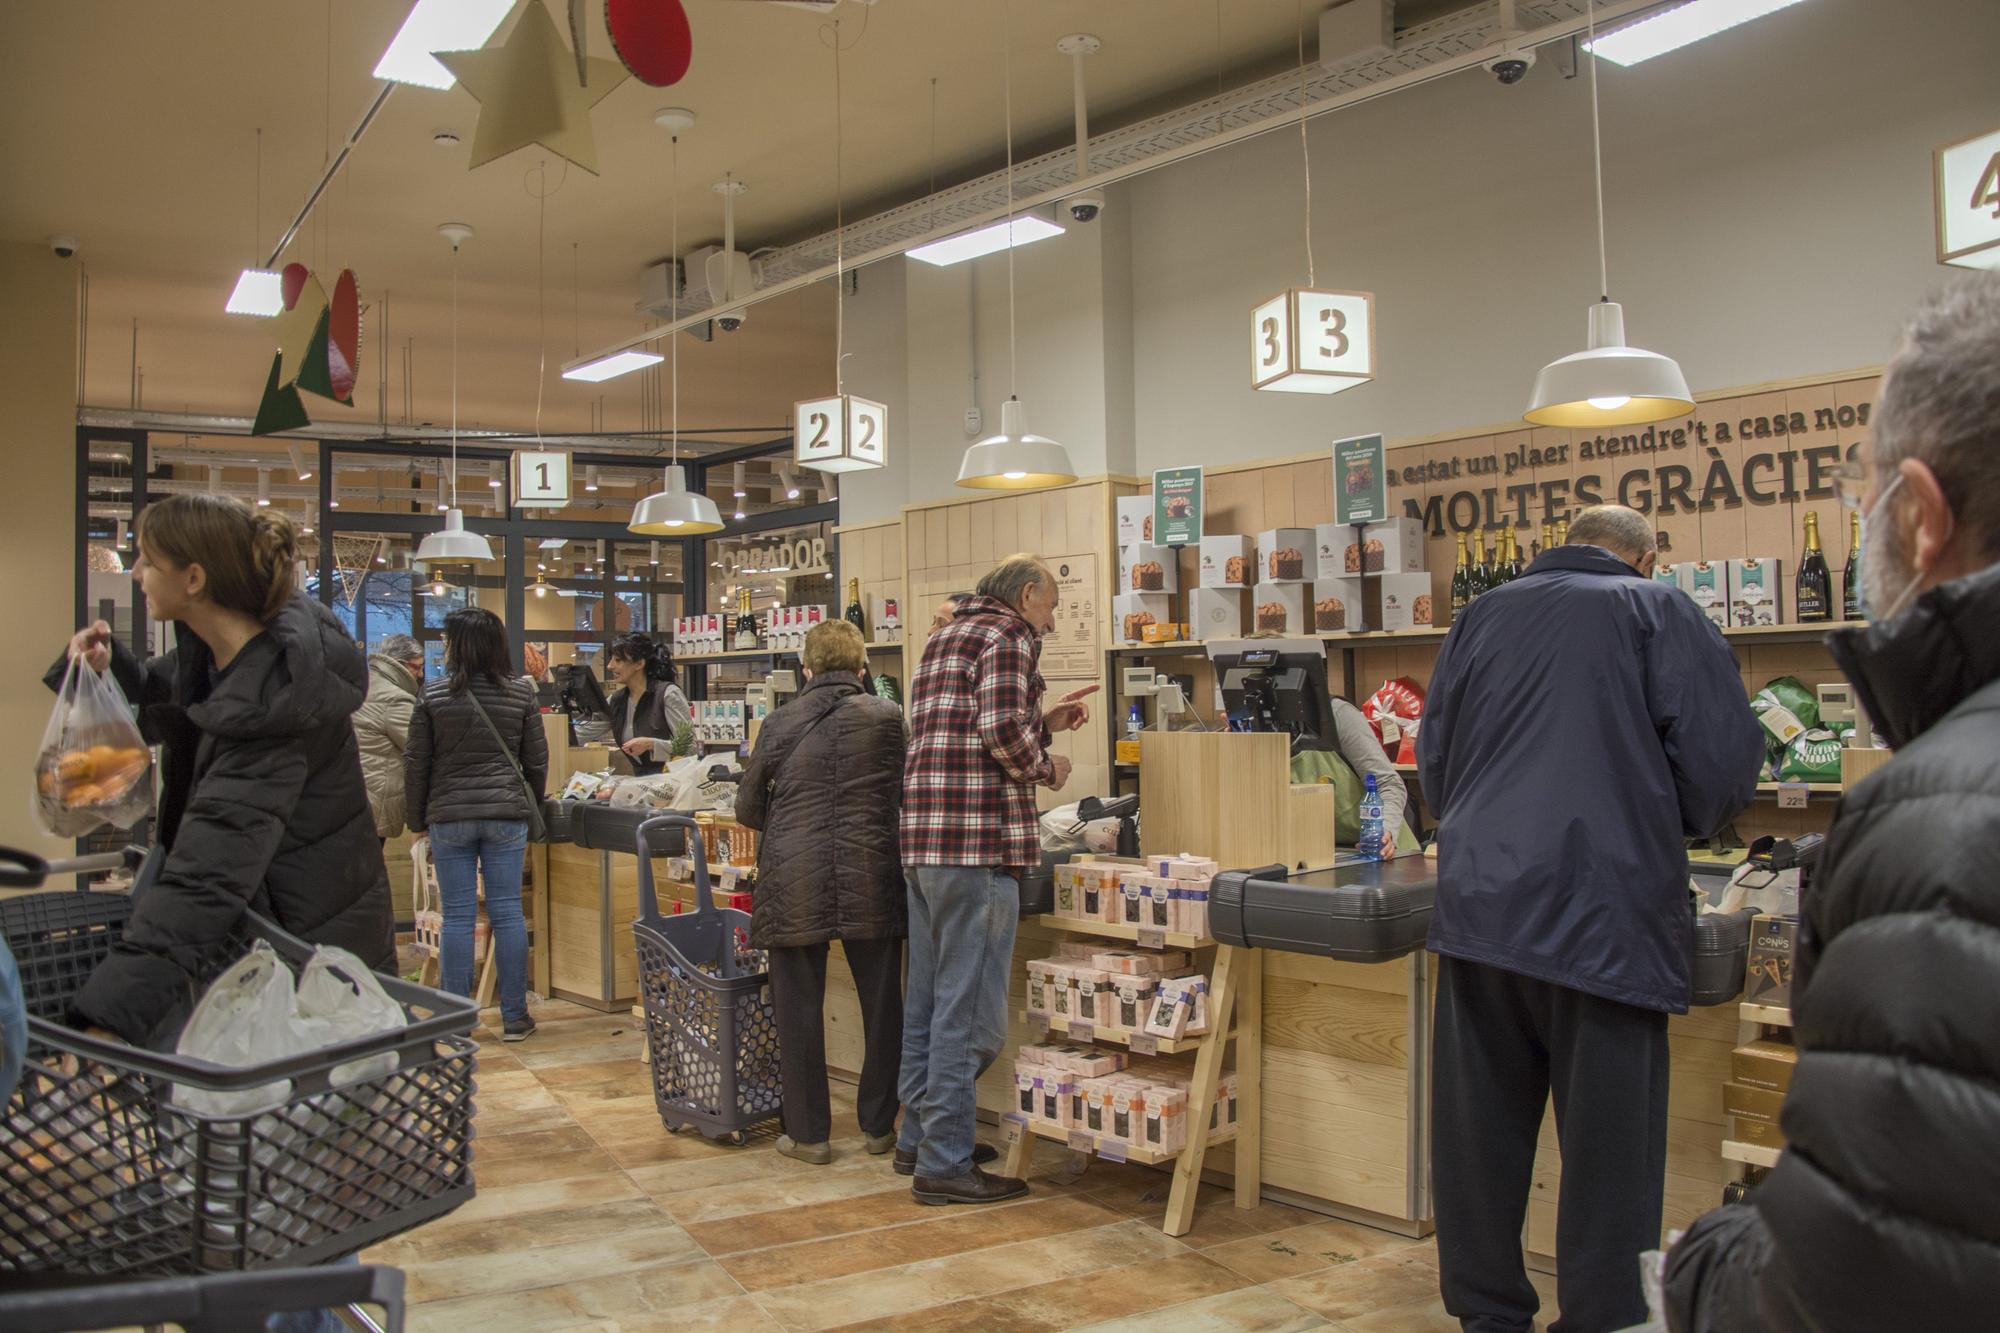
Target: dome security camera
1084,207
1511,67
63,246
729,321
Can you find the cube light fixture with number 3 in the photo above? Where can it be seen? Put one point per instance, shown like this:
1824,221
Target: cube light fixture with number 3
842,433
1305,340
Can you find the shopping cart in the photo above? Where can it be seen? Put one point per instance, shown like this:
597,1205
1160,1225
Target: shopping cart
219,1303
104,1173
709,1027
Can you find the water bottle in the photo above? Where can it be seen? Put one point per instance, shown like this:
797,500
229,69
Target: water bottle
1371,820
1134,724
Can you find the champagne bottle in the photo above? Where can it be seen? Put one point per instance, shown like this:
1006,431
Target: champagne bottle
1484,576
1812,589
853,613
1562,532
1548,535
1850,577
746,621
1513,554
1461,576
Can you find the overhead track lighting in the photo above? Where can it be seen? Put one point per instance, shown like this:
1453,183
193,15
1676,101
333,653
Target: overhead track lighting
1608,383
1013,459
1008,233
257,292
1670,30
452,544
438,25
612,366
736,482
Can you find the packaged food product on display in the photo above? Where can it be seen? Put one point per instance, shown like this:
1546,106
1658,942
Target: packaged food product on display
1407,602
1134,998
1394,711
1392,546
1130,906
1786,708
1282,555
1756,592
1135,519
1222,1114
1338,604
1228,562
1166,1119
1025,1098
1143,567
1748,1103
1215,613
1279,608
1707,582
1757,1133
1173,1006
1139,962
1131,612
1038,986
1773,945
1053,1091
1188,866
1061,992
1765,1064
1092,998
1128,1111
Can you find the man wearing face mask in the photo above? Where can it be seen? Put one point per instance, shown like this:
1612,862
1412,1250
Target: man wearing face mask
1880,1213
979,746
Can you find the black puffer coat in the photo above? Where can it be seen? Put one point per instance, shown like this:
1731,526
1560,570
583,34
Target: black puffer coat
1881,1214
262,805
453,769
828,867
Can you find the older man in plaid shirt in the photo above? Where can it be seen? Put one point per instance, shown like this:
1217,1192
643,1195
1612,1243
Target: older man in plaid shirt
978,748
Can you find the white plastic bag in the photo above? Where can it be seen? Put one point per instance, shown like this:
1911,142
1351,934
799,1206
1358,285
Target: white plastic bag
245,1018
93,768
1062,831
339,999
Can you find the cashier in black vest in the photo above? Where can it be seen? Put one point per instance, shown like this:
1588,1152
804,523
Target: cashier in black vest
647,708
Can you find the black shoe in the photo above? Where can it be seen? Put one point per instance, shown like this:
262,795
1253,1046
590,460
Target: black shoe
518,1029
975,1186
982,1153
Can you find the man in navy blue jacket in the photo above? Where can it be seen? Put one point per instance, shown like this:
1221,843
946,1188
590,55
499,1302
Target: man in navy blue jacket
1583,721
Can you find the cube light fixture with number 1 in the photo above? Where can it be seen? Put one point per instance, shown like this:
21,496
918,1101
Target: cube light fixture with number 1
844,433
1307,341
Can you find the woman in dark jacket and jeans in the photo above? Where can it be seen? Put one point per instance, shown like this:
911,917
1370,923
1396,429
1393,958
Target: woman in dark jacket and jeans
262,804
825,784
477,757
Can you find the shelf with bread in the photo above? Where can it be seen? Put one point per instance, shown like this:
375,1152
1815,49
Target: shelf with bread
1143,997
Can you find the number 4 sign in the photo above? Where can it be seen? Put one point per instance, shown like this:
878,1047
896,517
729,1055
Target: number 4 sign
1968,202
541,478
1307,341
840,434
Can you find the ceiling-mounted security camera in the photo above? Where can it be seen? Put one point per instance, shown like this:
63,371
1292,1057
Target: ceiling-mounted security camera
1084,207
63,246
1512,66
729,321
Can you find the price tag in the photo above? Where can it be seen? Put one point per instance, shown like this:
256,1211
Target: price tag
1040,1023
1081,1141
1152,939
1145,1045
1111,1150
1791,795
1082,1031
1012,1128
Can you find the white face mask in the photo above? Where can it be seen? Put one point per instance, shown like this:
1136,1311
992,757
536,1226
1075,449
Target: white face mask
1882,561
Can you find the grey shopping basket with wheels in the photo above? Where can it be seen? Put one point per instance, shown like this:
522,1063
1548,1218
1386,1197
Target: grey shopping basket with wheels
707,995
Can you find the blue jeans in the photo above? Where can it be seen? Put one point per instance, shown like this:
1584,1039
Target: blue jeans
962,921
13,1024
461,849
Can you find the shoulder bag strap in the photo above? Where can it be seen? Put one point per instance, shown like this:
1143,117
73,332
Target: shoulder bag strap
772,785
538,831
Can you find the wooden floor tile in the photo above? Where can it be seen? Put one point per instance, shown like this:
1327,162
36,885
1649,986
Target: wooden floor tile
1248,1310
648,1299
1135,1289
813,1221
1347,1292
1304,1249
550,1265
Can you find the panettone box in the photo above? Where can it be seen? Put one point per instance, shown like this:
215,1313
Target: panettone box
1338,604
1135,519
1215,613
1278,608
1285,555
1131,612
1228,562
1393,546
1143,567
1407,602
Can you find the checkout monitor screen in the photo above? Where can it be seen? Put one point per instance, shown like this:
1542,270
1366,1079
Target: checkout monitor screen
1276,685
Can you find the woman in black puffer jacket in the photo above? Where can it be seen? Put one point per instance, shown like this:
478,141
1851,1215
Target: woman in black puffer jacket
477,758
825,784
262,804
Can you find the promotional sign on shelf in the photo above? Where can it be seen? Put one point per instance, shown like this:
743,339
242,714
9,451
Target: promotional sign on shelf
541,478
1968,202
1360,489
1176,506
1071,648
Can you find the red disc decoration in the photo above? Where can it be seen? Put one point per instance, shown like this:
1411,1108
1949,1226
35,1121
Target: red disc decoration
343,336
291,282
652,38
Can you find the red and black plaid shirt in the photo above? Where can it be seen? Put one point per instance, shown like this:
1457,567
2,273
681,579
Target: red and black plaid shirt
977,744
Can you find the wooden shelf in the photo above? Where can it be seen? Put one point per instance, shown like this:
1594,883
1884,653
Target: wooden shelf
1183,647
1812,788
895,647
738,654
1785,633
1163,1046
1115,1149
1773,1014
1750,1154
1111,930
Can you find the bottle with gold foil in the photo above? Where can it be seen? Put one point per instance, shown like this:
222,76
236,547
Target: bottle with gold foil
746,622
1850,577
1812,588
1513,556
1461,576
853,613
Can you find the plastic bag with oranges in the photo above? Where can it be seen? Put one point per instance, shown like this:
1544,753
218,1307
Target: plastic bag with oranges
93,769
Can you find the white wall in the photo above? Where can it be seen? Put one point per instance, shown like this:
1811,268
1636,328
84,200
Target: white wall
1769,216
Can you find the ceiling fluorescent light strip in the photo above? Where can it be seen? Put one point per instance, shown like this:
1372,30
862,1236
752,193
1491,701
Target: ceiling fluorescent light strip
438,25
258,292
611,367
1027,229
1670,31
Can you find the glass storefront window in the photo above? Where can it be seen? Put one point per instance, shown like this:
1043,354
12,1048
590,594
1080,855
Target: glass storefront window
781,567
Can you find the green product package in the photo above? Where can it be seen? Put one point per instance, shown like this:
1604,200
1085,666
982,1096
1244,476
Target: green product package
1811,756
1787,709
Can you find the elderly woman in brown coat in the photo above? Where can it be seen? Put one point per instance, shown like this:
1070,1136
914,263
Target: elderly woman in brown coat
825,784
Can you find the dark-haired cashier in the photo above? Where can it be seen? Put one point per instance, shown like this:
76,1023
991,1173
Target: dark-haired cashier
647,708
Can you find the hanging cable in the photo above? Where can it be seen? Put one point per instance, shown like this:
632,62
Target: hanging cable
1597,153
1305,150
1007,77
454,375
673,341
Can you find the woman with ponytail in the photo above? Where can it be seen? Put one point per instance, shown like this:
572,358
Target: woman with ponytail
647,709
262,803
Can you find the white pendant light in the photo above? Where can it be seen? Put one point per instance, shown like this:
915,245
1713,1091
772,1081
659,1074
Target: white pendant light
1608,383
675,511
453,545
1013,459
846,432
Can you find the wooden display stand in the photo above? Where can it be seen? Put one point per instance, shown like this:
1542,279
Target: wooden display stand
1235,1012
1231,795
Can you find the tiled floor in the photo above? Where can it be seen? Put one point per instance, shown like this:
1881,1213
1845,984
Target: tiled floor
591,1216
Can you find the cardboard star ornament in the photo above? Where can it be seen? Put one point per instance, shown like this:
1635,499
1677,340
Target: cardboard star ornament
528,92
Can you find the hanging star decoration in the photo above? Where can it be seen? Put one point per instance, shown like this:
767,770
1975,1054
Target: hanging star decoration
529,93
319,348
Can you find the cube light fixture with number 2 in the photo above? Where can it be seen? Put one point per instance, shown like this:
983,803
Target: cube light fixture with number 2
1304,340
843,433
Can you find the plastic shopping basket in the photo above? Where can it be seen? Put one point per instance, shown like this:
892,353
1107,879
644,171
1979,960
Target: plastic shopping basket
102,1173
217,1303
708,1006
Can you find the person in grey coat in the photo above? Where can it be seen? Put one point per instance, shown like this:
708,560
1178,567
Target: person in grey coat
382,727
825,785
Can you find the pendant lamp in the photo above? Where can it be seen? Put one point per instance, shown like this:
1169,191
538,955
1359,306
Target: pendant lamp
1013,460
452,544
675,511
1608,383
844,433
